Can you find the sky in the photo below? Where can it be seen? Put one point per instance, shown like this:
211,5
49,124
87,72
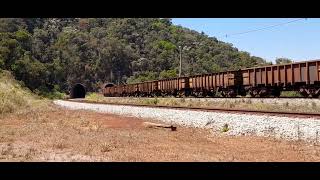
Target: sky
298,40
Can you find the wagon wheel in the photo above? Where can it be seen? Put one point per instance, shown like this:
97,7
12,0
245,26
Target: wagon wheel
315,93
277,93
186,93
242,93
182,94
263,92
223,94
232,93
303,92
196,94
204,94
252,94
211,94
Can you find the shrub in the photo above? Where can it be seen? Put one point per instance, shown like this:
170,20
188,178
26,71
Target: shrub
94,96
225,128
155,101
52,95
290,94
168,74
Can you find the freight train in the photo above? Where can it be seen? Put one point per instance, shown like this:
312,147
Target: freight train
265,81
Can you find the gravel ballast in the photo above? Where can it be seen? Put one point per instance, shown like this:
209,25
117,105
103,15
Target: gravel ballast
238,124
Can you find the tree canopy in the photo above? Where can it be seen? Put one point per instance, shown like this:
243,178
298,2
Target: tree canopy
283,61
55,53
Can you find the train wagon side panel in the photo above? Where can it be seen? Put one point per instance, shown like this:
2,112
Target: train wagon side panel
305,72
162,85
113,90
221,80
106,91
191,82
225,80
118,90
154,86
134,88
230,79
289,71
130,89
258,76
194,83
296,73
214,80
175,83
269,76
246,77
313,72
139,87
210,81
203,82
282,74
182,83
185,83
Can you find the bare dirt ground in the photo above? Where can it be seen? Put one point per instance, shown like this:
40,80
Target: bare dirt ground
56,134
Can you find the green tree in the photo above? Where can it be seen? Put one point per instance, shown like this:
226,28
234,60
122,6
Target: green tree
168,74
283,61
54,53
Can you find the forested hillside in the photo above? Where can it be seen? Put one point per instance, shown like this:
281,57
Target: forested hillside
52,54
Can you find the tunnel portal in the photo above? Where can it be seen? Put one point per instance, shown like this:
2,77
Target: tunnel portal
78,91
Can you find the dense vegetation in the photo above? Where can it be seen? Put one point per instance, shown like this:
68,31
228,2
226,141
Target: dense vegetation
52,54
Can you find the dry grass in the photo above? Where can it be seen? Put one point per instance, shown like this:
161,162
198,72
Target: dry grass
196,102
14,98
55,134
290,94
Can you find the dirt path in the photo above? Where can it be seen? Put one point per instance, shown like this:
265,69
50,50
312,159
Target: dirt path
57,134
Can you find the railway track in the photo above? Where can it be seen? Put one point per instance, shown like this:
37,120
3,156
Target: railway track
225,110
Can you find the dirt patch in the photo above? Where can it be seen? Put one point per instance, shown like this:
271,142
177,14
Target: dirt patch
57,134
114,121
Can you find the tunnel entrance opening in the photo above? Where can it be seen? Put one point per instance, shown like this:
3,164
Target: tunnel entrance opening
78,91
109,85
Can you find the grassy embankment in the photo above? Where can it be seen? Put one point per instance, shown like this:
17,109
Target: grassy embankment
14,98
